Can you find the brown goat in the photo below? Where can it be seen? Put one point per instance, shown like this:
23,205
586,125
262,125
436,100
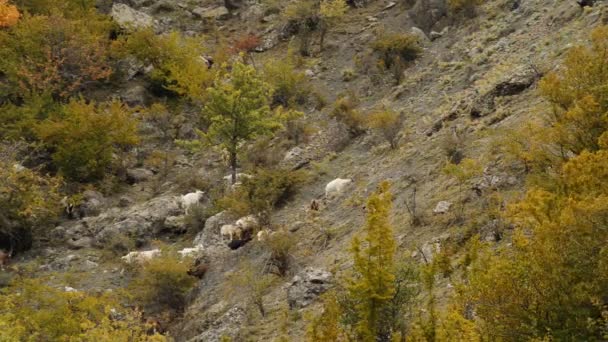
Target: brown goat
5,257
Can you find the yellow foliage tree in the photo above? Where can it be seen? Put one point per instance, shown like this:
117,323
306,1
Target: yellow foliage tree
33,311
9,14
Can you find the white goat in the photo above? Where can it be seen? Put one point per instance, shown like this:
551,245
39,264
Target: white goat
191,199
336,186
141,257
231,231
191,252
264,234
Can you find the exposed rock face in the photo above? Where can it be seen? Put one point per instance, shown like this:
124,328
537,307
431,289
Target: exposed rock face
307,286
138,175
211,13
227,325
130,19
442,207
210,237
427,13
135,96
144,219
521,79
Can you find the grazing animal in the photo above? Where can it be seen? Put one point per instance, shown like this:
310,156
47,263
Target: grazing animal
314,205
264,234
141,257
199,268
247,225
336,186
230,231
68,207
5,257
236,244
193,198
189,252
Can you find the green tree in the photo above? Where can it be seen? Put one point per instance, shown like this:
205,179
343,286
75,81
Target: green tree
84,136
238,109
372,287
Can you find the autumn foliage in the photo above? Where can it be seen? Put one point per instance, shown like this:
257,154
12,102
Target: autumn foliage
9,14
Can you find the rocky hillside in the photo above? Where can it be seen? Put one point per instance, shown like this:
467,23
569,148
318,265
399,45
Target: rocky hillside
473,82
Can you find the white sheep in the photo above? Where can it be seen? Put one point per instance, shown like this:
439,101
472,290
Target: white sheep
248,223
336,186
264,234
230,231
191,252
141,257
191,199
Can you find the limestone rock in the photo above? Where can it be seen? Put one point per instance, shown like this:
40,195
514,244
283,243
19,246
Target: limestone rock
130,19
442,207
307,286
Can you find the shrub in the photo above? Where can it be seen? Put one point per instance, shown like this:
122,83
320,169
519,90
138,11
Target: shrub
280,244
30,310
389,123
83,137
29,202
9,14
54,55
251,284
178,66
291,87
265,190
345,112
163,283
397,51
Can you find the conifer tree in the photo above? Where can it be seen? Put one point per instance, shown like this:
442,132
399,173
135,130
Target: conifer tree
238,109
372,287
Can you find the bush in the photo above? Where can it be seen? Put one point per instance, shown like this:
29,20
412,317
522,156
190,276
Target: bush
54,55
9,14
280,245
397,51
163,283
28,200
345,112
251,284
32,311
389,123
178,66
83,137
265,190
291,86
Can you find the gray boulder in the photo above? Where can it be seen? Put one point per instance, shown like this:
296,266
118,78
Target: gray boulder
135,96
227,325
307,286
220,13
426,14
138,175
442,207
130,19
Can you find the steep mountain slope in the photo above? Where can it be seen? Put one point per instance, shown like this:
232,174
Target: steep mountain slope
474,79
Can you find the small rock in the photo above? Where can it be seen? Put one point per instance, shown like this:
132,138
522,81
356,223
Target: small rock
442,207
390,5
436,35
135,96
296,226
125,201
309,73
138,175
175,224
220,13
307,286
130,19
418,33
85,242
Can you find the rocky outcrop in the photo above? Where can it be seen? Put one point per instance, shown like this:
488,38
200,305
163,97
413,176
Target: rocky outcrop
428,14
130,19
138,175
146,219
227,325
307,286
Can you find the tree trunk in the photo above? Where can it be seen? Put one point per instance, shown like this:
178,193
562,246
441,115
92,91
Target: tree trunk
233,164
